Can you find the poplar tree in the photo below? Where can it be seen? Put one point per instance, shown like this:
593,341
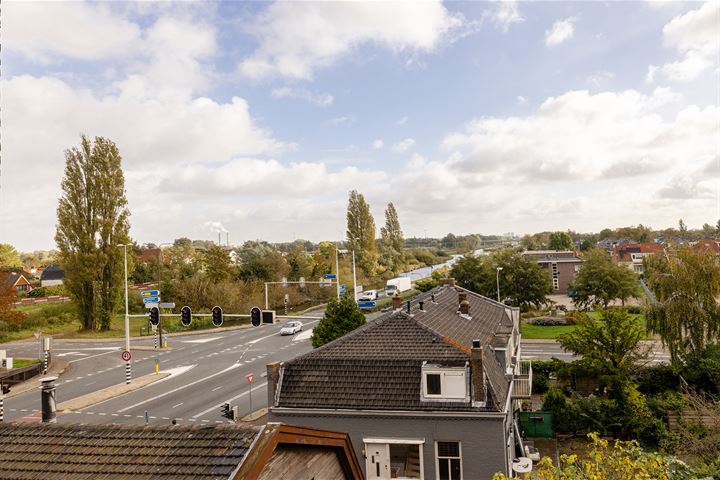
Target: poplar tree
361,233
92,221
392,242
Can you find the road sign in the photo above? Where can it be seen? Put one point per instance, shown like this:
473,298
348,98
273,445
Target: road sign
250,377
37,335
147,300
343,288
167,305
126,356
149,293
367,305
329,276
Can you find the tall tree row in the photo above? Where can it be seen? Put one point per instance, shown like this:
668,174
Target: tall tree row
361,233
92,221
392,252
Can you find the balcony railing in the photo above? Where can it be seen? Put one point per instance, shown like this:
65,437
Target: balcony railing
522,388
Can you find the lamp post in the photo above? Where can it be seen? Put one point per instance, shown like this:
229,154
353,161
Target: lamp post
497,280
337,272
127,318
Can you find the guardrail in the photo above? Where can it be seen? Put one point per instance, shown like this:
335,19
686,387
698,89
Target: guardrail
17,375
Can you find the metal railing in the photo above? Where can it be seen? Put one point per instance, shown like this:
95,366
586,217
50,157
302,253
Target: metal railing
522,380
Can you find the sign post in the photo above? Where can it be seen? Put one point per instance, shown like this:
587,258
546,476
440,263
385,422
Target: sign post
250,377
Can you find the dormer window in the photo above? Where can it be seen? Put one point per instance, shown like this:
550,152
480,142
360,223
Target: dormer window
444,383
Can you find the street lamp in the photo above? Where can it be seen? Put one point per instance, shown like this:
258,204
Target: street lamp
497,280
127,317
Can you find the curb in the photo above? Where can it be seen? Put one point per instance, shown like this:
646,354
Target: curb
57,368
86,400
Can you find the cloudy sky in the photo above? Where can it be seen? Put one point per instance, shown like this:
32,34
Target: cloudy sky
471,117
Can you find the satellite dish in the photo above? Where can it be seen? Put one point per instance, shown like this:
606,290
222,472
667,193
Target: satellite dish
522,465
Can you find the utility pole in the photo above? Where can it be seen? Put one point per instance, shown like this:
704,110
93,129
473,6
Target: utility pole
355,293
128,373
497,279
159,317
337,270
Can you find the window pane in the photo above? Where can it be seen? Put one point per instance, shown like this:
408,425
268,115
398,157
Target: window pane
448,449
455,469
444,470
433,384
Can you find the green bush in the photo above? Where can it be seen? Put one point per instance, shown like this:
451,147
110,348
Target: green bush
703,370
654,379
564,414
38,292
635,309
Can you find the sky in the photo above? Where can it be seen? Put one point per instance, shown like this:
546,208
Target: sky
259,118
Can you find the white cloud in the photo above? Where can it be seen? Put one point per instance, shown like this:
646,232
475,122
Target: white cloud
505,14
44,30
520,100
297,38
404,145
402,121
378,144
561,30
696,35
318,99
651,73
599,79
343,120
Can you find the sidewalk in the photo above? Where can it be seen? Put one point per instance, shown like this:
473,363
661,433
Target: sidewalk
57,368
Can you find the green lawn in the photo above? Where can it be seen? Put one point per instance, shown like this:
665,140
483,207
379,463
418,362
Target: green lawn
24,362
535,332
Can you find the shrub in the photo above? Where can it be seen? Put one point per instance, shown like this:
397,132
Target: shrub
548,321
38,292
653,379
635,309
563,412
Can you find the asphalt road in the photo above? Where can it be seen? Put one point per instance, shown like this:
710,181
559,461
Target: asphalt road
206,370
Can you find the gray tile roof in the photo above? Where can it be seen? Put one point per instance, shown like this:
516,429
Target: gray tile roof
52,272
79,452
379,365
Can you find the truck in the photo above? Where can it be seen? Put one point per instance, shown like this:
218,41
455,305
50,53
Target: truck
397,285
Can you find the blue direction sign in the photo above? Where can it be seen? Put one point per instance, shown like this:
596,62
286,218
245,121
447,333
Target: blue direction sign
367,305
330,276
343,288
150,293
151,300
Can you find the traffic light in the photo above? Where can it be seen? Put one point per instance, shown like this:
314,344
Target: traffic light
154,315
186,315
255,316
217,316
227,412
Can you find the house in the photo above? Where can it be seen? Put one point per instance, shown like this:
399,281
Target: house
17,282
632,254
561,266
426,391
52,275
709,245
110,451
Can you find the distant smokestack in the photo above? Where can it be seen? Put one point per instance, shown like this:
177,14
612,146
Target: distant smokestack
227,238
219,241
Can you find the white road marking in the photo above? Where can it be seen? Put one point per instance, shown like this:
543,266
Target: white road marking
92,356
216,388
231,367
304,335
201,340
215,407
175,406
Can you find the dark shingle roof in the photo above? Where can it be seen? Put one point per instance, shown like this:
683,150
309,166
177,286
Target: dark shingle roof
52,272
379,365
11,278
74,452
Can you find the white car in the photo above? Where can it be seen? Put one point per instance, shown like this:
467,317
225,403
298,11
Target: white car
368,296
291,328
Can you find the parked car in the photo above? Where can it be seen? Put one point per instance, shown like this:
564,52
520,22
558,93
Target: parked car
368,296
291,328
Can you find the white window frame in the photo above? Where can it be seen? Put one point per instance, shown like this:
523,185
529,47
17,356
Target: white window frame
437,457
401,441
443,395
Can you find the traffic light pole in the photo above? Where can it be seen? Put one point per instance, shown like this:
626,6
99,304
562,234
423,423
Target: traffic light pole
159,339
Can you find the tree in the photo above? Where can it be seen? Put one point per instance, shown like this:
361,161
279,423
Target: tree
682,227
392,242
474,273
341,317
217,264
9,257
600,281
560,241
182,241
92,221
301,264
361,233
685,283
8,314
622,461
612,345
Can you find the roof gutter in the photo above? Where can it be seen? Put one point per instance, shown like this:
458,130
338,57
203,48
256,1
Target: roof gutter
385,413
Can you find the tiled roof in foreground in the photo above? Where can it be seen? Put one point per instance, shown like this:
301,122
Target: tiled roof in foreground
84,452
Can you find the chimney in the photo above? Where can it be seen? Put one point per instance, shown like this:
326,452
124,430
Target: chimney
465,307
432,298
397,302
421,305
273,377
462,296
47,399
408,307
477,377
449,282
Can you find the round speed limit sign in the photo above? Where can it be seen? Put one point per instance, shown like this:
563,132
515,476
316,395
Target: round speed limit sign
125,355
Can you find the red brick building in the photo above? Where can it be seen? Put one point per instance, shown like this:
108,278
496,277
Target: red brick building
561,266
